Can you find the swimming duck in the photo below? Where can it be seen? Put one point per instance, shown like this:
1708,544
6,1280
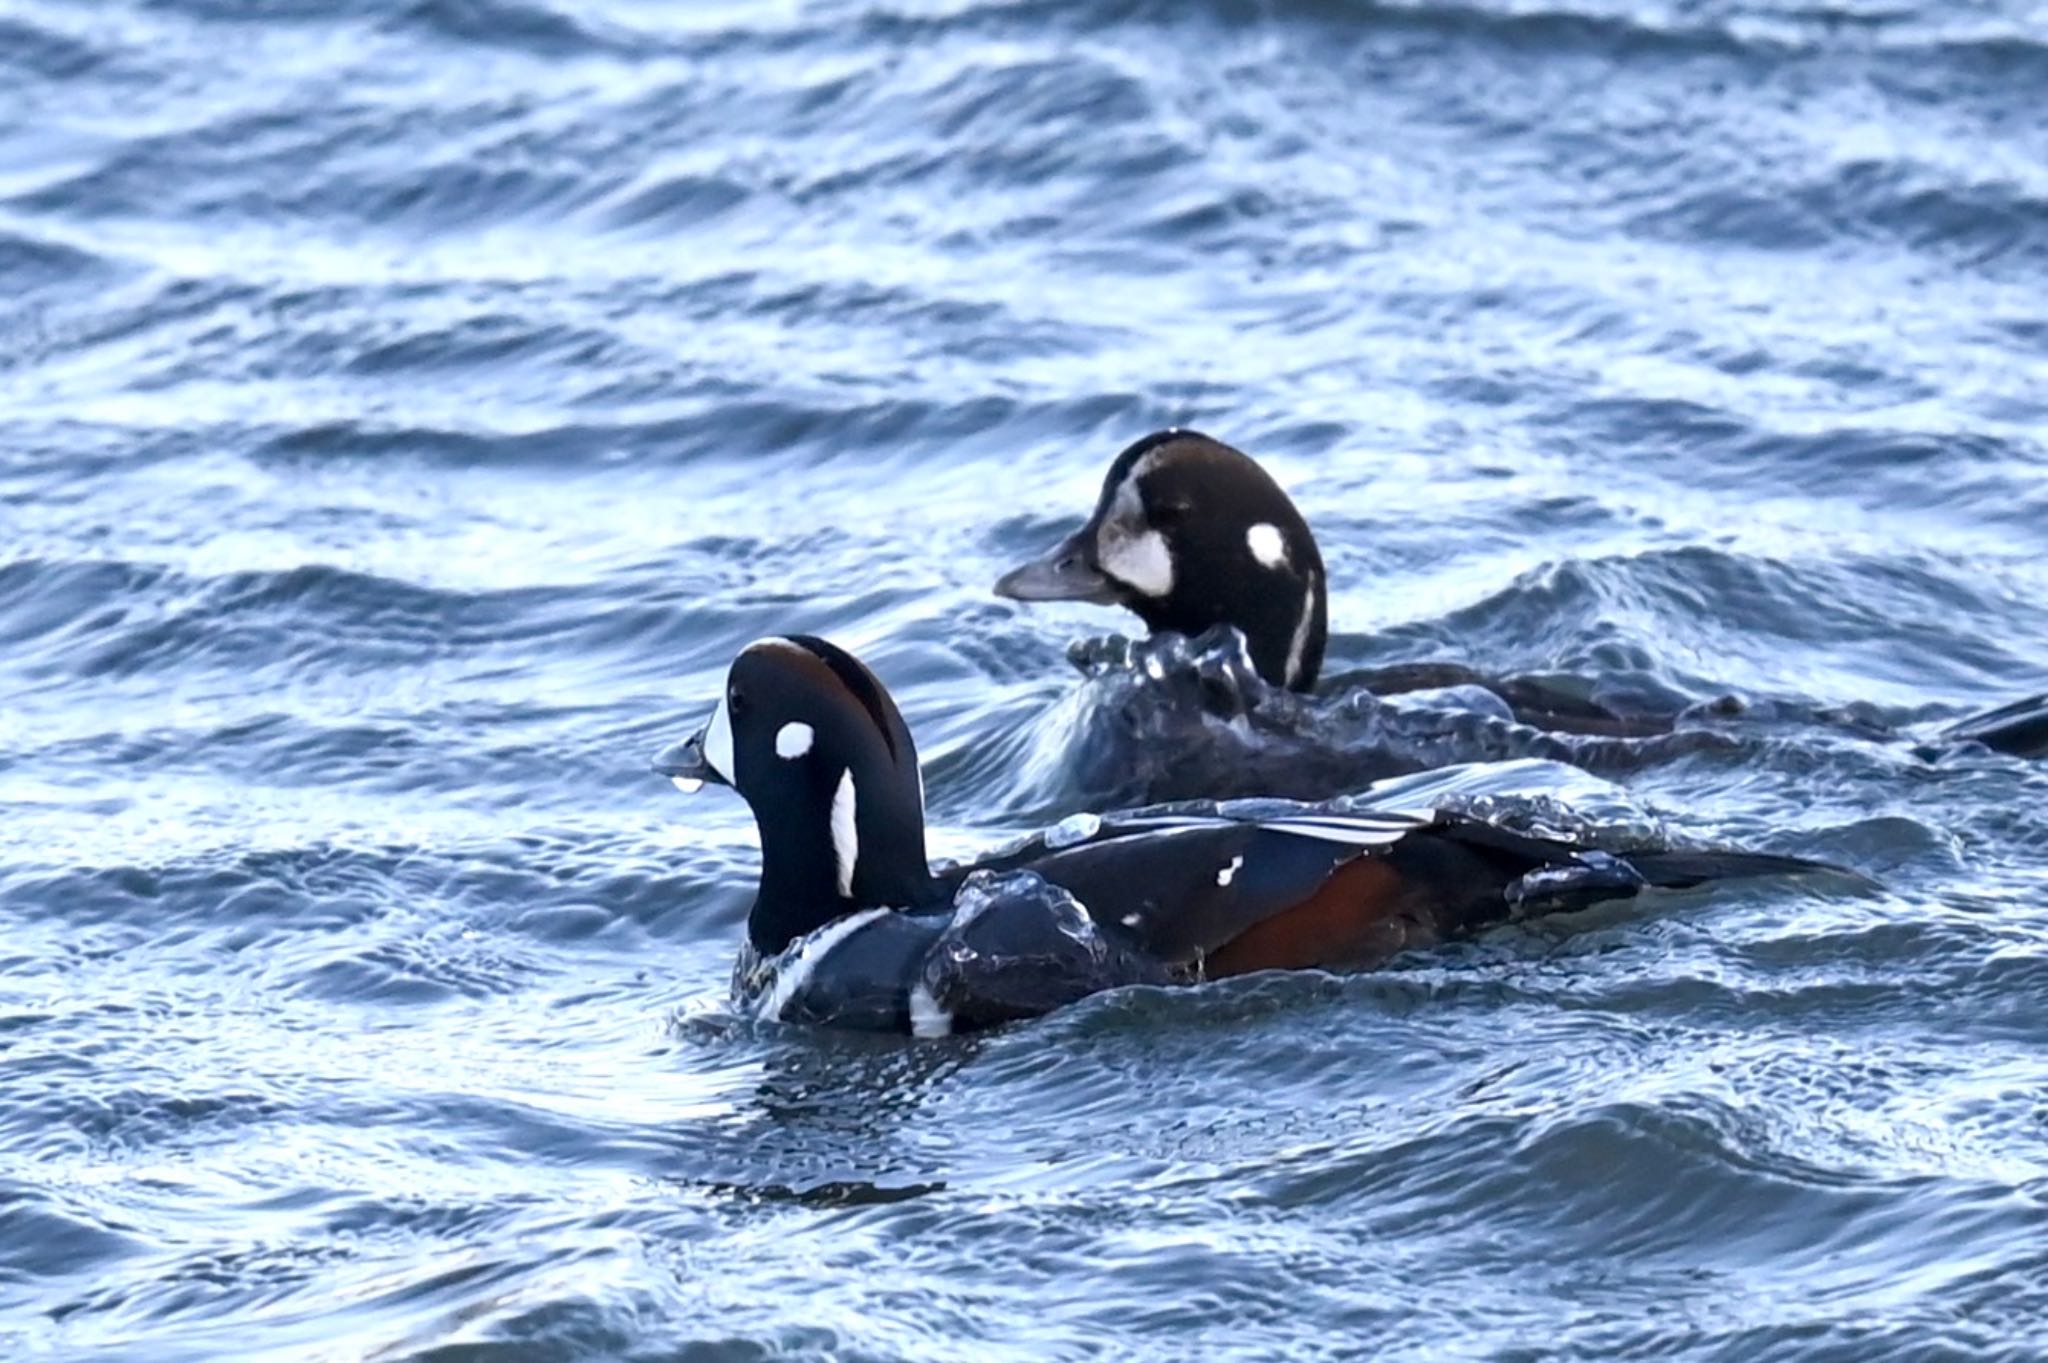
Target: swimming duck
852,926
1190,533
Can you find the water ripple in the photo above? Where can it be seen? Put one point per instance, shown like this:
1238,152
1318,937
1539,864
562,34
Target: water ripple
412,404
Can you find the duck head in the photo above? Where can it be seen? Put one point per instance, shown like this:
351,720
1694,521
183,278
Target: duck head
813,743
1189,533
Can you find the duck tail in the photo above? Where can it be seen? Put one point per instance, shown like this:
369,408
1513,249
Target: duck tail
1591,876
1681,870
2020,728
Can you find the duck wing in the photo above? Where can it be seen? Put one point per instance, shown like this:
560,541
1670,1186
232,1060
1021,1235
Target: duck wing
2020,728
1218,894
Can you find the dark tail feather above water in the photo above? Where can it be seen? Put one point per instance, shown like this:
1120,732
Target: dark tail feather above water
1592,877
2020,729
1684,870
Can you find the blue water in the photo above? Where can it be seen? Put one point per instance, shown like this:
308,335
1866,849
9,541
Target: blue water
408,406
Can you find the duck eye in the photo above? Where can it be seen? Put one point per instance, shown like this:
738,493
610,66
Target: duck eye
735,703
1170,513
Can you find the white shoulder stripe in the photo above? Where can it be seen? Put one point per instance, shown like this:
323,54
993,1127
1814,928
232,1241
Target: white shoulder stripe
795,966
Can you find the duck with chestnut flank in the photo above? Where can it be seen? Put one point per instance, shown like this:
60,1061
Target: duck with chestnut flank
852,927
1189,533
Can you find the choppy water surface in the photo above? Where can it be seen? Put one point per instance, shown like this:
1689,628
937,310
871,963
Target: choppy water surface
410,406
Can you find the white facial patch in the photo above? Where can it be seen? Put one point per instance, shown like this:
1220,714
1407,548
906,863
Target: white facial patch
1126,546
1141,562
718,744
793,740
1267,545
845,834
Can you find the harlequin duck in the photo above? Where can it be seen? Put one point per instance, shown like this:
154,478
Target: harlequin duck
1190,533
852,926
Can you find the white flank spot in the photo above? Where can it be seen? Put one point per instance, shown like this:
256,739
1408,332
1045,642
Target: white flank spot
718,744
845,833
796,965
793,739
1131,920
1266,544
1229,873
688,785
1299,645
927,1019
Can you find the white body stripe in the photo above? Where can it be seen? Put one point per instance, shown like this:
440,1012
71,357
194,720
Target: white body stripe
794,968
845,832
1298,646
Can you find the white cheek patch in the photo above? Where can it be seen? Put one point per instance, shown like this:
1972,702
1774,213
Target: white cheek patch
793,740
1141,562
718,744
845,833
1127,548
1267,545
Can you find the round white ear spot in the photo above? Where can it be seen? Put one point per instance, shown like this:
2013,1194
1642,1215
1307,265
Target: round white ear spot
1267,545
793,740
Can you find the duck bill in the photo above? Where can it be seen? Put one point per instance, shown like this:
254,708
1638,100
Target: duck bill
685,765
1065,574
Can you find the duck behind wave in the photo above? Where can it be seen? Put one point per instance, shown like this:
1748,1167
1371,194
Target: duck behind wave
1191,534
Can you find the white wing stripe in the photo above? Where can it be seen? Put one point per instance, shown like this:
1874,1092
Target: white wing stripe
1362,830
1379,835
